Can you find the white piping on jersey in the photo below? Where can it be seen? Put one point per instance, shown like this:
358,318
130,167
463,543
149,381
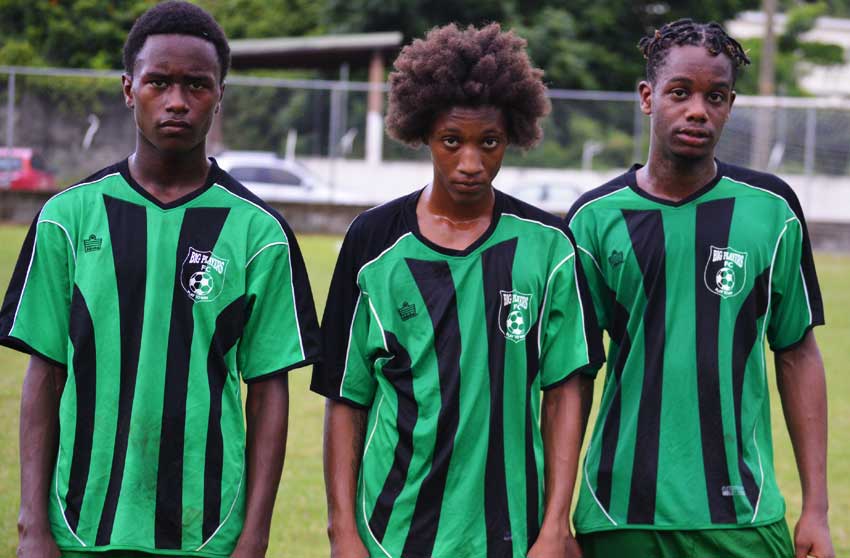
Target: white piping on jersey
378,257
546,296
251,259
230,511
357,304
66,190
794,218
517,217
289,259
586,251
26,279
68,236
592,493
363,481
59,500
763,363
594,200
350,337
377,319
761,471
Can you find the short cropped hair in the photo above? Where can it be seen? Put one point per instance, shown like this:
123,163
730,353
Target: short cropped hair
180,18
466,67
686,31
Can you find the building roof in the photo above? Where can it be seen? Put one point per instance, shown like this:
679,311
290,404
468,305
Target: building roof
312,52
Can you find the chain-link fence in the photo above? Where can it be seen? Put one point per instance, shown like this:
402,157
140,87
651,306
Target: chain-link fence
78,121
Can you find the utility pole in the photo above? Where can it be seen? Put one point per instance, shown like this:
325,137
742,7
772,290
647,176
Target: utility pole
763,132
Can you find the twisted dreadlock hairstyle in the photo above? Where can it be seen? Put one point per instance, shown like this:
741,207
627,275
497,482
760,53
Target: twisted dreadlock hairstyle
688,32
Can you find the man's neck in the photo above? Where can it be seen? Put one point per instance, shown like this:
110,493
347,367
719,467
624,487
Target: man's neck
168,177
675,179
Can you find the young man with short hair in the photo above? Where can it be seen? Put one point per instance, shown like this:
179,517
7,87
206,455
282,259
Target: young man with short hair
692,264
144,295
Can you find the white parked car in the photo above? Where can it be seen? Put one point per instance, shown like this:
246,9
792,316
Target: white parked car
272,178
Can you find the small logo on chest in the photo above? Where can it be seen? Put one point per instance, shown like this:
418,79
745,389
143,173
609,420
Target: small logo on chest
202,275
616,258
725,271
407,311
514,315
92,243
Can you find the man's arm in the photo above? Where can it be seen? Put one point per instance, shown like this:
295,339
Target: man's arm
39,439
802,386
267,413
345,432
565,412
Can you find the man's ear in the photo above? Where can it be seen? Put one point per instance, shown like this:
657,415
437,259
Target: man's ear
127,88
220,97
732,96
645,96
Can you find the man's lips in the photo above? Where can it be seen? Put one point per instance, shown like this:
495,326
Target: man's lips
693,136
174,124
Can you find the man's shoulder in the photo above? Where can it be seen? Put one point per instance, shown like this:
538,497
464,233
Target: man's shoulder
587,199
73,194
765,183
244,201
381,226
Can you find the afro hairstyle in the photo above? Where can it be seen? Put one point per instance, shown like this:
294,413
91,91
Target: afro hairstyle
712,36
180,18
466,67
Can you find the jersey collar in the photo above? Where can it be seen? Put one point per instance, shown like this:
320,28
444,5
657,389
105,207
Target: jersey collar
631,180
212,177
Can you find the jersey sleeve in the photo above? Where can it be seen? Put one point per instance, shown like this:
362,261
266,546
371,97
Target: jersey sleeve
281,332
570,339
35,315
346,373
795,300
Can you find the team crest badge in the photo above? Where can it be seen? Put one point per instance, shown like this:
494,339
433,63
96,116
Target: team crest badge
202,275
725,271
514,315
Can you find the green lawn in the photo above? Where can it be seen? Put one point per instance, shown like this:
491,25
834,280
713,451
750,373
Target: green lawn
298,528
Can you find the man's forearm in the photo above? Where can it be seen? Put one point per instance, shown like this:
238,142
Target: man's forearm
39,435
345,431
802,386
267,411
564,418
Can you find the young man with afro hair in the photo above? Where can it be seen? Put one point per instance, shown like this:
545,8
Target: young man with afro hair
692,264
449,310
145,295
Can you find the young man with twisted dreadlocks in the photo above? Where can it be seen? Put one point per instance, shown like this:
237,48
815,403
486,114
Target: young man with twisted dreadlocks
692,263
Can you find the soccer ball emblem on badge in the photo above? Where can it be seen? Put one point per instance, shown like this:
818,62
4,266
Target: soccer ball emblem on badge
725,279
515,323
201,283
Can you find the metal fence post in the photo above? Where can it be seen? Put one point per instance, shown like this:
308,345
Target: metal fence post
811,139
10,112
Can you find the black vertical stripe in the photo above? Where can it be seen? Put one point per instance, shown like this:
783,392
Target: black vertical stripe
228,329
81,332
611,426
646,230
128,236
497,266
743,341
434,280
713,221
200,230
532,480
398,371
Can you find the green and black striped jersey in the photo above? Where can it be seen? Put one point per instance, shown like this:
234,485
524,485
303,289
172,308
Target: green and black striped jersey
689,292
156,310
448,350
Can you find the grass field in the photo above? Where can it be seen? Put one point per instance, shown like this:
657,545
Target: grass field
298,528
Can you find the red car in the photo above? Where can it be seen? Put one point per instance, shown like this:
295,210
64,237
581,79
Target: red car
21,168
